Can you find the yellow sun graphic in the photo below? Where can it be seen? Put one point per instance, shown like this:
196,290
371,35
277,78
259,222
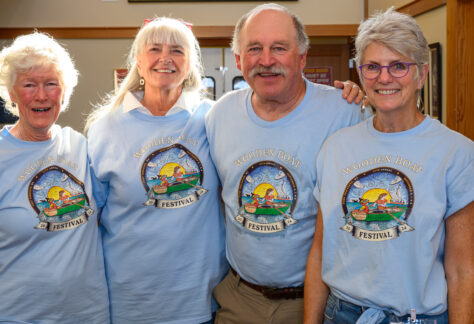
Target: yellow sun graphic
168,169
54,192
373,194
262,188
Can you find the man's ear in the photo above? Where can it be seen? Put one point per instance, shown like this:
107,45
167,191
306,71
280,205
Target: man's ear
237,61
303,60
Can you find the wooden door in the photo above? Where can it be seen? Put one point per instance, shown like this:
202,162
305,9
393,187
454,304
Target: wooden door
335,56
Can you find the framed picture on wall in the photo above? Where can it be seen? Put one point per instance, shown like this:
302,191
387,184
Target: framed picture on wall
433,102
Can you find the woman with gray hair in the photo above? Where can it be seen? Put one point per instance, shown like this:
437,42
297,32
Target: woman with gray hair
163,230
410,257
51,266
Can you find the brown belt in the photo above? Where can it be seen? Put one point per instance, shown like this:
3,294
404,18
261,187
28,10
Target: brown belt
271,292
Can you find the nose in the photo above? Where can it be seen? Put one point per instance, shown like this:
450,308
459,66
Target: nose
41,94
266,58
384,76
165,57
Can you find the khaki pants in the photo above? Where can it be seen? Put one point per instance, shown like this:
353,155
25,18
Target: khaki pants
243,305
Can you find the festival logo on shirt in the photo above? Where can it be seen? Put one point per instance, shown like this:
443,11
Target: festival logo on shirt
267,198
172,177
59,199
377,204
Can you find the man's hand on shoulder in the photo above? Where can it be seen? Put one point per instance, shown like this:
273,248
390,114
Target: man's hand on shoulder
351,91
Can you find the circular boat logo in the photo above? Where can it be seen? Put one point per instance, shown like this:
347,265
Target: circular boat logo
172,177
59,199
377,204
267,198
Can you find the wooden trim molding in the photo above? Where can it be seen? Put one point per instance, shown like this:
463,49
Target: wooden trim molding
331,30
419,7
217,33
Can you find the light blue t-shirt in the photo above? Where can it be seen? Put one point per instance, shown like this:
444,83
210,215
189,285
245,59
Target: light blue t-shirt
267,173
51,263
163,230
384,199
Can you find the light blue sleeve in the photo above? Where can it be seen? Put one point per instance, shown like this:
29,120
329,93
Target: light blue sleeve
460,180
100,189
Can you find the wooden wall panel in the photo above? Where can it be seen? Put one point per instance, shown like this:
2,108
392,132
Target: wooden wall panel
460,66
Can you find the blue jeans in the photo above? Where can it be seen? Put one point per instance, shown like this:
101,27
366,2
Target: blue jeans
339,311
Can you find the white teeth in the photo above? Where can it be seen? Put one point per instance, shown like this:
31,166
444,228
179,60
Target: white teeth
387,92
165,71
40,109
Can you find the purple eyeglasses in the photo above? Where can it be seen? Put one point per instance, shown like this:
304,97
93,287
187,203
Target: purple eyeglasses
371,71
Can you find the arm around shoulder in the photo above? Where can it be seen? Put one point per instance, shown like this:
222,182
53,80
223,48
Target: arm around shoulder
459,265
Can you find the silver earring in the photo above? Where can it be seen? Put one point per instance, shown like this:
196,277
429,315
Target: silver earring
142,82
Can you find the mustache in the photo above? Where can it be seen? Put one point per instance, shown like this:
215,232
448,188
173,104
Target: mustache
263,69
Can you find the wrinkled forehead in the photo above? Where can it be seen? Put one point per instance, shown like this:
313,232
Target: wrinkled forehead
275,24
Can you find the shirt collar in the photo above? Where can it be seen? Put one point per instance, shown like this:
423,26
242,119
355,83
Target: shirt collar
185,101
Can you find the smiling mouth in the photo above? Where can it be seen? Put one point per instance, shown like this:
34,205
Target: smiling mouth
41,109
387,92
164,70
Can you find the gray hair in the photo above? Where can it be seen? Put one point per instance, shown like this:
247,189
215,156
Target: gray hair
31,51
301,37
397,31
161,30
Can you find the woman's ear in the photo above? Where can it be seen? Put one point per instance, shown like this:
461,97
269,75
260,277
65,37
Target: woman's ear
424,69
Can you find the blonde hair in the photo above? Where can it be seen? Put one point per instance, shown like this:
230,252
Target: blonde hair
161,30
31,51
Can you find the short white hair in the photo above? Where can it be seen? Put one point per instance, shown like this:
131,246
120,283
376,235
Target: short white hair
31,51
397,31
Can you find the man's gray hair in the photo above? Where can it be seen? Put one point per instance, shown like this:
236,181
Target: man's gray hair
302,38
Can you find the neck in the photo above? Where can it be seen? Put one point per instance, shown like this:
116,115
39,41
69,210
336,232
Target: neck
24,134
397,122
160,101
274,109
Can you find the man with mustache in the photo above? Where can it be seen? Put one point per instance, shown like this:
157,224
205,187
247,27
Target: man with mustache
267,137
